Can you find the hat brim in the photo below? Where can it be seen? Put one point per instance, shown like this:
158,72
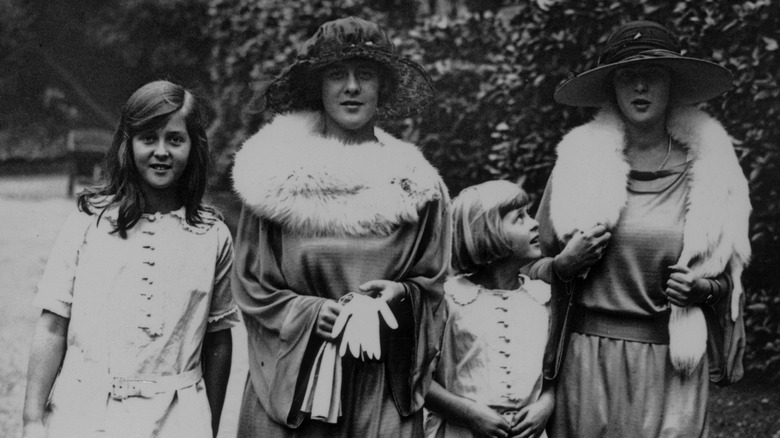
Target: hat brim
693,80
413,88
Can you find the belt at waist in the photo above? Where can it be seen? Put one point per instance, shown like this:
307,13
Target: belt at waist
148,386
650,330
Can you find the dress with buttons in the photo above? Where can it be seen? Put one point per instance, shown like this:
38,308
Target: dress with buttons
493,347
138,308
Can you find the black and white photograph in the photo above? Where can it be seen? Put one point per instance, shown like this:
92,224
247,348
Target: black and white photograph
389,219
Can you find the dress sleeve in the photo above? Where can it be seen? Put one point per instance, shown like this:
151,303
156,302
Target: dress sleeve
561,291
55,288
279,321
223,313
412,361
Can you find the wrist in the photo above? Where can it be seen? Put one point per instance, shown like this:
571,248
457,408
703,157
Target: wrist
707,291
404,292
559,265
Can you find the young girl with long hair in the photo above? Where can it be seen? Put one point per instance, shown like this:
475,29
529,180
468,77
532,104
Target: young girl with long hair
133,337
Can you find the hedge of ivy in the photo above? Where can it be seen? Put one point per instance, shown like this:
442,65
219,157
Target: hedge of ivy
495,72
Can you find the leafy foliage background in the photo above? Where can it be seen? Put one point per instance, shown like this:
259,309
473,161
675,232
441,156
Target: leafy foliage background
495,69
495,64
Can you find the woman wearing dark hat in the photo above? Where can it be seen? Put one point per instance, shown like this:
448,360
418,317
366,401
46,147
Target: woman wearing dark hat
341,246
658,283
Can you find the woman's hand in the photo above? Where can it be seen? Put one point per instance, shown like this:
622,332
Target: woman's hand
532,419
389,291
582,251
326,317
485,422
683,288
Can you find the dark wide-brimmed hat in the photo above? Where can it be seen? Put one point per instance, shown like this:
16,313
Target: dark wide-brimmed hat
344,39
645,42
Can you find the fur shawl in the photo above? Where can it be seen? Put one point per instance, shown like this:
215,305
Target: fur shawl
315,186
591,175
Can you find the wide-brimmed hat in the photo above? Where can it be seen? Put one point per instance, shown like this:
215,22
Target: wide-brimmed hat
343,39
645,42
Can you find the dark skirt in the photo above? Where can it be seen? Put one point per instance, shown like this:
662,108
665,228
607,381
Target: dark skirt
368,410
617,388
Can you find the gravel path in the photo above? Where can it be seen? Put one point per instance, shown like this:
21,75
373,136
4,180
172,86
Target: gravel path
32,210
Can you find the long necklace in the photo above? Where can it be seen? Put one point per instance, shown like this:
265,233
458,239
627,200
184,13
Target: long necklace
668,154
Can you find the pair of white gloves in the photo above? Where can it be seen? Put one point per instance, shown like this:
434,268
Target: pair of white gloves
359,320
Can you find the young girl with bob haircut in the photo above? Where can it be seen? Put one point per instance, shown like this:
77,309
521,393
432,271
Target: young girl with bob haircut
489,378
135,298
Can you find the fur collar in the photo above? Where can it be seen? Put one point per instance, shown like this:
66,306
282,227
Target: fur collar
591,174
312,185
589,187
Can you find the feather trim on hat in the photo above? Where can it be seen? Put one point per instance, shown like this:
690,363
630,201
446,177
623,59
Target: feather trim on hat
589,187
317,186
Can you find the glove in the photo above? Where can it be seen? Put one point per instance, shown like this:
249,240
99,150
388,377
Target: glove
359,320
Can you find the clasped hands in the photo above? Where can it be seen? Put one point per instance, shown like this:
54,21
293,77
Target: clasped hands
356,318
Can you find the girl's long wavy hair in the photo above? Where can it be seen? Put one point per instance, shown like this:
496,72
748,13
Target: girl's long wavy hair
149,108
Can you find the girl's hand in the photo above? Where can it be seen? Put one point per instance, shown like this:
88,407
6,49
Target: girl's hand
389,291
485,422
34,430
683,288
531,420
582,251
326,317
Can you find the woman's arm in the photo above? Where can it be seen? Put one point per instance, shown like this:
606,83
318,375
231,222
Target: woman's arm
480,419
46,354
217,355
565,260
684,288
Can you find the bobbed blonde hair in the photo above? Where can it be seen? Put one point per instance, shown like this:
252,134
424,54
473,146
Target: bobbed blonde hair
478,238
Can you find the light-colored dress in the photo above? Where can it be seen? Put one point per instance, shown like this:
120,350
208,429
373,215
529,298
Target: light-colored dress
492,349
138,308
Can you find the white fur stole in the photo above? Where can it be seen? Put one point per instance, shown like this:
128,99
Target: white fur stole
311,185
589,187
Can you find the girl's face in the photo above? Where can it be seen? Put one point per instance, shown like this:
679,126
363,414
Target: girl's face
522,231
161,156
642,93
350,95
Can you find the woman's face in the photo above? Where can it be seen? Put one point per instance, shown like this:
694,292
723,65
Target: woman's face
642,93
350,95
161,155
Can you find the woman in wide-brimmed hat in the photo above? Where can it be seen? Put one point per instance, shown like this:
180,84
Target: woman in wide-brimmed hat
653,190
341,247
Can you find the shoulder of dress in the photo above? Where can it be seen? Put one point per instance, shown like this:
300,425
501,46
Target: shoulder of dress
210,218
539,290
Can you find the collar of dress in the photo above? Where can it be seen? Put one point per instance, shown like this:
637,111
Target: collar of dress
464,292
311,185
208,217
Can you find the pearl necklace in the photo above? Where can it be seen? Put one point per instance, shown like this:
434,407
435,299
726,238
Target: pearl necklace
668,155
